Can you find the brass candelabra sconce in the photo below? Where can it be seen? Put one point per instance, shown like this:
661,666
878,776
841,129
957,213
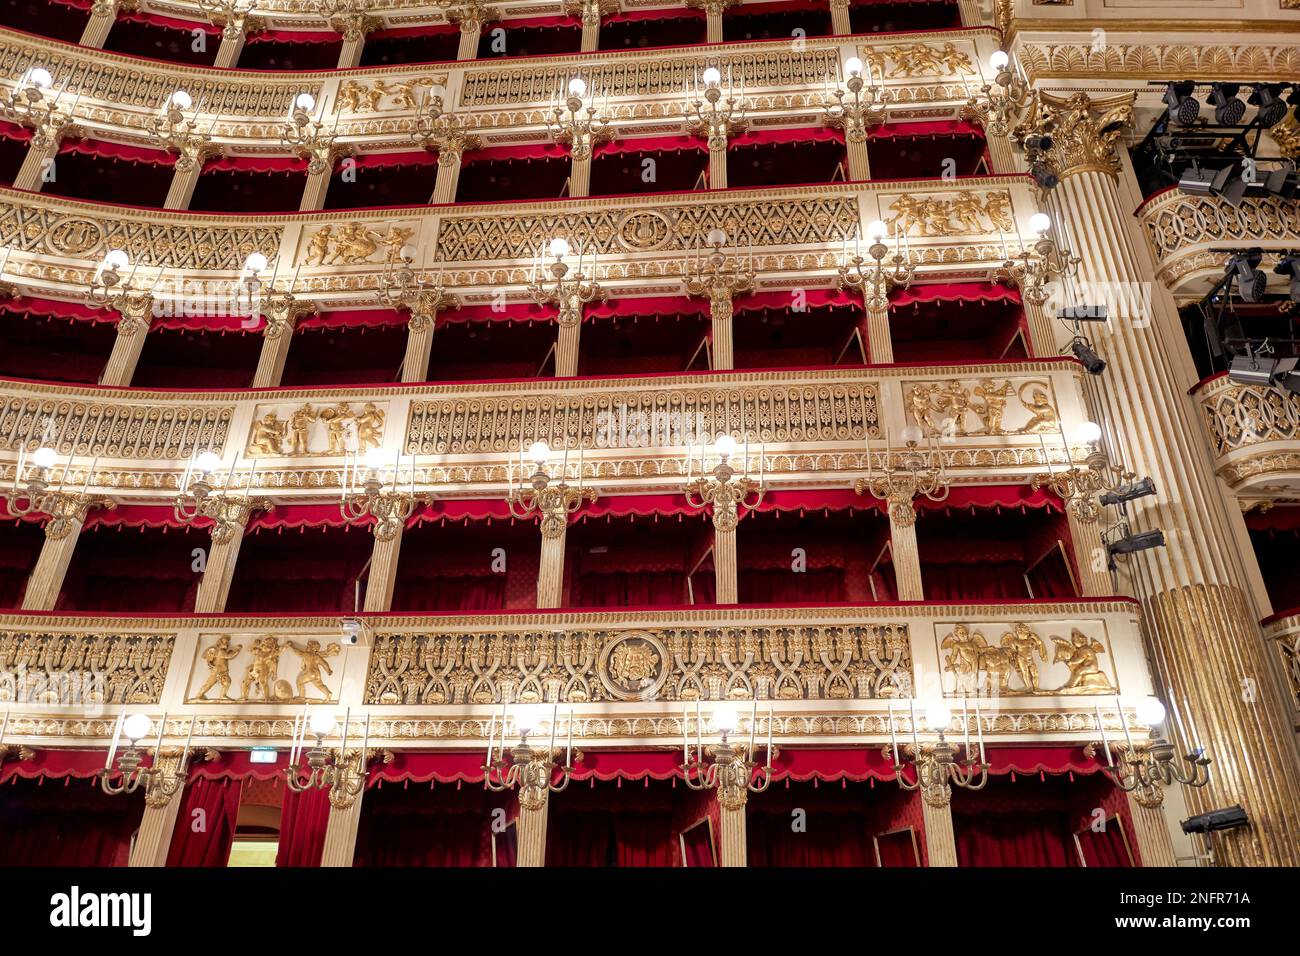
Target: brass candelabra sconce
364,494
999,105
935,764
715,111
553,500
568,290
128,774
577,123
197,497
717,276
857,104
39,494
32,104
419,292
1083,488
877,275
110,289
321,768
530,770
733,773
1146,769
308,137
725,489
914,471
179,134
1036,268
22,752
446,132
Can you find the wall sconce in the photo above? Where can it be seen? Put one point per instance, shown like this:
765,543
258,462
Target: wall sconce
732,771
530,770
935,764
324,769
159,784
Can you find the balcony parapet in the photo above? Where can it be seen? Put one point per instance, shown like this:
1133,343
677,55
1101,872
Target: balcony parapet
1282,632
1254,434
829,673
636,432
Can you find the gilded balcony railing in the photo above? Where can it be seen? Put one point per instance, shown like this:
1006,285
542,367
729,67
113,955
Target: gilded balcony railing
1254,434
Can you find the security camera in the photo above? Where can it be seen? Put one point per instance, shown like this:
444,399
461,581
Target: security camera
354,631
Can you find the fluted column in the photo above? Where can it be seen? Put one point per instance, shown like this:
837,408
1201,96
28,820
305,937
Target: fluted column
718,162
1043,341
471,15
580,172
720,312
354,27
1089,556
341,833
880,341
840,25
856,149
154,838
38,161
281,312
317,185
1002,156
132,327
451,153
219,567
903,548
713,10
103,14
1206,644
733,848
383,572
46,580
724,558
970,13
940,841
550,572
185,176
233,35
591,12
1151,832
530,832
419,347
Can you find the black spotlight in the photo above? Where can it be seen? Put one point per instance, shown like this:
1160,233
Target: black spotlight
1038,142
1131,543
1282,182
1250,279
1043,175
1268,98
1088,356
1183,106
1197,180
1136,489
1289,265
1228,109
1229,818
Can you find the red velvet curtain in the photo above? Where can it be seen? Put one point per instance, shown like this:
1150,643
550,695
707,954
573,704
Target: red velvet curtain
783,586
1108,847
613,824
837,821
414,824
1029,838
629,589
205,825
302,828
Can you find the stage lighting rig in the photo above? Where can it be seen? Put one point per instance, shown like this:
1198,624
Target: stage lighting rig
1289,266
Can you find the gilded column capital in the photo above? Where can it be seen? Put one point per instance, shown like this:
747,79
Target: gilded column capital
281,312
713,8
1085,132
1287,133
135,310
470,14
355,25
590,10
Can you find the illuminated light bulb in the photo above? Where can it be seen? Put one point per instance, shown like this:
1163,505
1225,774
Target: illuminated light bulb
853,66
137,727
323,722
407,253
1088,432
912,435
876,230
937,715
305,102
528,717
181,100
725,719
539,453
559,247
716,237
43,457
577,87
725,446
1151,711
208,462
117,259
999,60
255,262
376,458
40,78
712,77
1040,222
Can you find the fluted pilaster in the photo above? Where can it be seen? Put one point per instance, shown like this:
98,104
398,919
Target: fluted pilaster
38,161
733,849
46,579
940,841
383,573
341,834
531,832
724,565
550,573
1151,831
219,572
906,554
880,341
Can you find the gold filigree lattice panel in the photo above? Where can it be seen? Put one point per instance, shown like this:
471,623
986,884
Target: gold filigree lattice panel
73,669
166,432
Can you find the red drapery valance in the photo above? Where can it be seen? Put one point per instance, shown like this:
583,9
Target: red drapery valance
813,299
627,16
54,764
926,128
628,764
436,766
419,157
117,151
652,144
302,516
639,506
256,164
539,23
819,499
58,309
994,496
197,322
770,137
15,131
294,36
428,30
954,292
354,319
463,509
526,151
132,516
167,23
508,312
863,763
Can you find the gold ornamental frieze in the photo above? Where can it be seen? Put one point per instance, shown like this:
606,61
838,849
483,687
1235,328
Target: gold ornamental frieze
388,95
301,430
1284,636
1238,416
836,662
966,407
1132,54
971,212
72,425
247,668
40,668
1025,659
355,243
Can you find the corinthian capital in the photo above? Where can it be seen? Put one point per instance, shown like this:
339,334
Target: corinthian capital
1085,132
470,14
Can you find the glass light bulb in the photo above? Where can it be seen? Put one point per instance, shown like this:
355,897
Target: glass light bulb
999,60
1088,432
853,66
43,457
208,462
1151,711
255,262
912,434
712,77
528,717
876,229
559,247
322,722
137,727
40,78
305,102
716,237
938,715
1040,222
725,446
577,87
181,100
407,253
376,458
539,453
725,718
117,259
